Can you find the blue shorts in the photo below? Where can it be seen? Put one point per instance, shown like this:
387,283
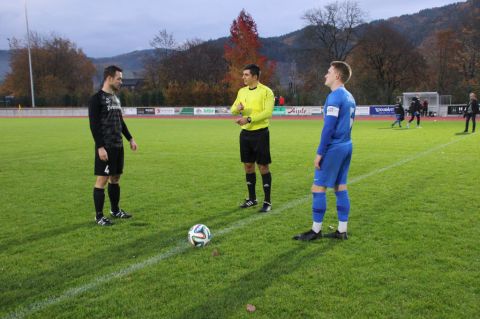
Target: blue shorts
334,166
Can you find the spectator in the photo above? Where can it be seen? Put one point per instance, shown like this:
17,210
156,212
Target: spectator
471,112
425,108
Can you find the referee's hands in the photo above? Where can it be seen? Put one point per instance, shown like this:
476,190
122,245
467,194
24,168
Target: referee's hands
241,121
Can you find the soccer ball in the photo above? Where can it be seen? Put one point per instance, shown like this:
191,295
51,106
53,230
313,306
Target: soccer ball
199,235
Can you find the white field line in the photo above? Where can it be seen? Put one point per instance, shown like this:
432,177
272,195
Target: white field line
182,246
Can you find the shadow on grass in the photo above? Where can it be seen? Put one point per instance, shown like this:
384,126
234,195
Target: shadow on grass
233,299
38,285
43,235
462,133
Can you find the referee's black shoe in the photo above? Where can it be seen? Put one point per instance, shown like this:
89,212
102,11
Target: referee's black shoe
266,207
337,235
249,203
309,235
120,214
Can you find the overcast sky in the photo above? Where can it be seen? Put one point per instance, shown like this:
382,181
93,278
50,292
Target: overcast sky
105,28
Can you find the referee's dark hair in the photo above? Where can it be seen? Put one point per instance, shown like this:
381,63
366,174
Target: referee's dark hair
343,69
254,69
110,71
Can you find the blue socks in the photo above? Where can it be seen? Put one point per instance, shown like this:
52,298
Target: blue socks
319,206
343,205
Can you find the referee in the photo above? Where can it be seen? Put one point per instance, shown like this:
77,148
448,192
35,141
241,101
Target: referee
107,126
255,105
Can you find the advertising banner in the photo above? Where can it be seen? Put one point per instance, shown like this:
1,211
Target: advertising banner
222,111
299,111
145,111
130,111
362,110
317,110
382,110
204,111
279,110
164,111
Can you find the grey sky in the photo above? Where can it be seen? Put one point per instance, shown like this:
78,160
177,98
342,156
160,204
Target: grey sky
108,27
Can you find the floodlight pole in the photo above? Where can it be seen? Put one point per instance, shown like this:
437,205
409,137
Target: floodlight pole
29,57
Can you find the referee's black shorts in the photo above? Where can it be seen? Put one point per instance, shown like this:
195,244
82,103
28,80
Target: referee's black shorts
255,146
114,165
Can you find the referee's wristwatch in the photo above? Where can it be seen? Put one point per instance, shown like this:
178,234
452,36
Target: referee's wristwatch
249,119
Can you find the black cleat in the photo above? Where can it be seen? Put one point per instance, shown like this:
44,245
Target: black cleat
249,203
120,214
266,207
337,235
309,235
103,221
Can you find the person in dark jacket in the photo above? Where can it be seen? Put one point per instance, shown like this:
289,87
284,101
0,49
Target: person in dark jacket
471,111
399,113
415,108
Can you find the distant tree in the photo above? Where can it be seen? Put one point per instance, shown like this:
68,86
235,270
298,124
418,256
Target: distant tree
244,48
441,54
469,55
62,73
334,27
384,62
164,45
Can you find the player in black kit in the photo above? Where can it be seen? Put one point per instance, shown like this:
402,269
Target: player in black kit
107,126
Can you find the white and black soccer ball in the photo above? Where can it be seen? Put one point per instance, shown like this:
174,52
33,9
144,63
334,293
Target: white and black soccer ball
199,235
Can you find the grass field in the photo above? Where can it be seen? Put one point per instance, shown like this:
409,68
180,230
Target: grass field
413,248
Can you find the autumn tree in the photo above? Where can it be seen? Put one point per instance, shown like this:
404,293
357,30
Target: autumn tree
441,54
469,55
386,63
62,73
244,48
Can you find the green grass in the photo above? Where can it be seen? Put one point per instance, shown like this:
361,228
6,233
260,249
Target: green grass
413,249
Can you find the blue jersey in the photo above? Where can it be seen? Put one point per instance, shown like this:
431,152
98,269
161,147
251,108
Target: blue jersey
339,113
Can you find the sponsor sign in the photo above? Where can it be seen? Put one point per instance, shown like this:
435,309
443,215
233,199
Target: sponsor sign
456,109
204,111
299,110
164,111
317,110
362,110
145,111
279,110
222,111
382,110
130,111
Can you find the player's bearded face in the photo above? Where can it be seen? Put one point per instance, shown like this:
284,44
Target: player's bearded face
116,81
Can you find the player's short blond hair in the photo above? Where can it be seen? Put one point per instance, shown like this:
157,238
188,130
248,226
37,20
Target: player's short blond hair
343,69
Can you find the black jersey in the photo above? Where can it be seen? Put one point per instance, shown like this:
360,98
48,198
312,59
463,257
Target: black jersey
106,120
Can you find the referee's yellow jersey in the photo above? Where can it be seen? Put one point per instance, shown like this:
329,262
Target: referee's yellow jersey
258,105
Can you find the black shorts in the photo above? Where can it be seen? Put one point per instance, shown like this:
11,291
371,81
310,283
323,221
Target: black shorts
255,146
114,165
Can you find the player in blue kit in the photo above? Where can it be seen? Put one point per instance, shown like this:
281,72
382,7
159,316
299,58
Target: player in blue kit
333,154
